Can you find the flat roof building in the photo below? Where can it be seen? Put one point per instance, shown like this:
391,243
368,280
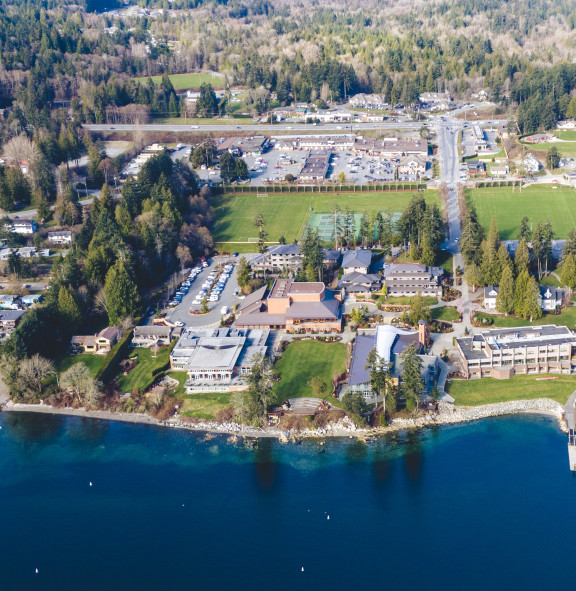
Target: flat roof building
504,352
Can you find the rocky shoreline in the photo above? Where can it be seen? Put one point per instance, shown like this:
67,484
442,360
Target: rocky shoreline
344,428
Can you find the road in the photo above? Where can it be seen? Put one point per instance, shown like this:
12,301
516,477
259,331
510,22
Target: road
30,214
258,128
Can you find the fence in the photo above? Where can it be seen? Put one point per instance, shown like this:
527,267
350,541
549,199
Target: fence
491,184
290,189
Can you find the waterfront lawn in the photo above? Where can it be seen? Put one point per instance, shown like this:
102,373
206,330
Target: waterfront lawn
566,318
303,360
146,363
93,362
446,313
538,202
490,391
204,405
287,214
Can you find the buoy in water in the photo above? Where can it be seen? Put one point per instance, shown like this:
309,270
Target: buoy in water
302,569
90,484
36,571
328,517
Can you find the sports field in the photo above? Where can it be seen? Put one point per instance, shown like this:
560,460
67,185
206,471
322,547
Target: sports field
187,81
538,202
288,214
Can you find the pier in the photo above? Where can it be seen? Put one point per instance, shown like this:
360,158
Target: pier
570,415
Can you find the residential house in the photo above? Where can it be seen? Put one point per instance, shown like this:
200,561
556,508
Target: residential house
151,335
368,101
29,300
490,295
412,165
294,306
539,138
531,164
9,302
9,319
567,124
551,298
356,261
22,226
499,171
503,352
100,343
475,168
409,279
60,237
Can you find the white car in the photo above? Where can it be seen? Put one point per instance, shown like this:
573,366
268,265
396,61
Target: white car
178,323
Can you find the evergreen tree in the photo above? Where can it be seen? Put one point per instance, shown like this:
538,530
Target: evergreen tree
569,272
412,382
312,253
427,256
380,378
504,257
227,167
121,294
241,169
260,393
474,275
491,266
471,237
505,298
244,273
552,157
418,310
522,257
69,309
569,245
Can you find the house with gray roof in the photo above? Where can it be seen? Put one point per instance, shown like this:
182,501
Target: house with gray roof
357,261
149,336
361,283
490,295
288,257
409,279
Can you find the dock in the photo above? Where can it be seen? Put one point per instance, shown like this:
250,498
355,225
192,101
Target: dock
570,416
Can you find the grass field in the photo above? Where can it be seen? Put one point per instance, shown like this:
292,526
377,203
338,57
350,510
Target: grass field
566,318
205,405
287,214
446,313
569,136
490,391
538,202
187,81
304,360
93,362
140,376
565,148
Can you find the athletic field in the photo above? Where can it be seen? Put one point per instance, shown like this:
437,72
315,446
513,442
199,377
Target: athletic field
288,214
187,81
538,202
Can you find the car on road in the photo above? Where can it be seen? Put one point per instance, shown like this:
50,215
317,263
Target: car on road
178,323
194,127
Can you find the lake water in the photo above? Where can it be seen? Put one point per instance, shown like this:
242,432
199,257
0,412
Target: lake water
488,505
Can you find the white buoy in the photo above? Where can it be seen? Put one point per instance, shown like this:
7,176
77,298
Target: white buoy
36,571
302,569
90,484
328,517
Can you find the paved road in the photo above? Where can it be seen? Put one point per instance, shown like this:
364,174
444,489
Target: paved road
30,214
257,128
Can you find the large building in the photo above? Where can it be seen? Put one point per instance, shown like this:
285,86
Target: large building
315,166
391,147
407,280
288,257
389,341
503,352
246,146
356,261
293,305
218,355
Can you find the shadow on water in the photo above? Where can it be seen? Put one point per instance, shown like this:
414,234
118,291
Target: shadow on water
265,465
87,430
31,427
413,458
356,452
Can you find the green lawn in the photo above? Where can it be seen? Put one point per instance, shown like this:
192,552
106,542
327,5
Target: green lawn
551,280
490,391
566,318
406,301
288,214
205,405
304,360
187,81
140,376
565,148
446,313
538,202
565,135
204,121
93,362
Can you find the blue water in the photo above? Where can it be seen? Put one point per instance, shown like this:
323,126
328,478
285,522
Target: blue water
488,505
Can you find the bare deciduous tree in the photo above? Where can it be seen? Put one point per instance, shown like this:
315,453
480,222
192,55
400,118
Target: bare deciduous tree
19,149
34,371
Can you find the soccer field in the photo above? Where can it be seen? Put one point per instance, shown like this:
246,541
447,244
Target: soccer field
538,202
187,81
288,214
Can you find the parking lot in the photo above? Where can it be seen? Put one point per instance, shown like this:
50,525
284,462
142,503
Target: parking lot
181,313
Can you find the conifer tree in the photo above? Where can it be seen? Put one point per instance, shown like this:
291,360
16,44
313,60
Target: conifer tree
505,297
568,275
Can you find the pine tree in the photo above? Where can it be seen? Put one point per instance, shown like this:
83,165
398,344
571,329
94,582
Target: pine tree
532,308
569,272
121,294
473,275
525,231
427,256
418,310
505,297
569,245
522,257
412,382
69,309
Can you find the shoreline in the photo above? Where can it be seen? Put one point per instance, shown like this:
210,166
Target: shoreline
344,428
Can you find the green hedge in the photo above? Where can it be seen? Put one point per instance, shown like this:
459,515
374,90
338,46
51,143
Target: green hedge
106,371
